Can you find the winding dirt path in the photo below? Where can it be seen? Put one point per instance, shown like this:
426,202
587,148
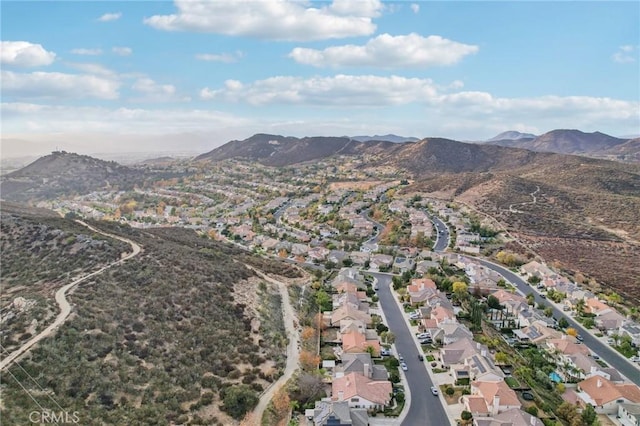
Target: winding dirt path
63,303
293,348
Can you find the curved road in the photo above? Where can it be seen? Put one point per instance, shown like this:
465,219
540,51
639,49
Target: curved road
442,240
424,408
63,303
609,355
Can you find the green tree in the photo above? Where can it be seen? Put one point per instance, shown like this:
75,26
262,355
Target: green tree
238,400
563,323
589,415
494,303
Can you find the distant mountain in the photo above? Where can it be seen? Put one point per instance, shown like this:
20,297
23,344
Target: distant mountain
276,150
565,142
425,156
437,155
61,173
627,151
387,138
511,135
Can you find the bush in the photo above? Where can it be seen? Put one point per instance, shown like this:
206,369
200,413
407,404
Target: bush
466,415
533,410
449,391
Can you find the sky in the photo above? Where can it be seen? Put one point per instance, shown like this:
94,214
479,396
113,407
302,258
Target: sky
106,76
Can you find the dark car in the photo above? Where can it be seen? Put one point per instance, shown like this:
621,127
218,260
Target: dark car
420,357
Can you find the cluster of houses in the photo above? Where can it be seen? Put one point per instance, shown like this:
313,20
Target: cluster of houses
358,385
469,362
472,363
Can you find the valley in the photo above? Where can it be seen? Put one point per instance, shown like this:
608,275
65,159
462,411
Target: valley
196,317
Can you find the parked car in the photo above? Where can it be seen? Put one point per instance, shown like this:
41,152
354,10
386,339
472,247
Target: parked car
423,336
635,359
403,365
400,357
434,390
580,338
420,357
385,352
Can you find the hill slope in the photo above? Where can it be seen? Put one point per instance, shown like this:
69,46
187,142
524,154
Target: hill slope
565,142
63,173
276,150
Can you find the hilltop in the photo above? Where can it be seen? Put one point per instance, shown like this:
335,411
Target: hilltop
562,141
61,173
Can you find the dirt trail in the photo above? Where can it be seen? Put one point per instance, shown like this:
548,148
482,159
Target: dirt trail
63,303
293,348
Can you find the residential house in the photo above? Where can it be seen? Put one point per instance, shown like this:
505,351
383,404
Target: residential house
378,261
513,417
610,322
605,395
631,329
348,313
357,342
452,332
498,396
456,352
403,264
361,392
337,413
595,306
363,364
629,414
443,315
513,303
423,266
419,289
318,254
537,332
359,257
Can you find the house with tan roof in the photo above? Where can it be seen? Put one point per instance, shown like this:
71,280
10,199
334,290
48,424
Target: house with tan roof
513,417
595,306
498,396
566,345
443,315
537,332
348,313
604,395
361,392
610,321
357,342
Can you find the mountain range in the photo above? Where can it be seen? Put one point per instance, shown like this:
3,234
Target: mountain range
573,141
581,202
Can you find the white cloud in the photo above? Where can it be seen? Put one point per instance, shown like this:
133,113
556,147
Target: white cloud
415,7
625,54
89,68
24,54
87,52
151,91
345,90
226,58
122,51
107,17
33,118
387,51
273,20
47,85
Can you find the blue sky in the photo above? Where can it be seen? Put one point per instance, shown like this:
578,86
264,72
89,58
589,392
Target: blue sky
185,75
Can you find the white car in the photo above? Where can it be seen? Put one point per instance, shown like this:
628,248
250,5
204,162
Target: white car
434,390
404,367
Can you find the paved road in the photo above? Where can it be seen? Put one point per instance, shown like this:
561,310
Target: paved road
63,303
442,240
609,355
424,408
